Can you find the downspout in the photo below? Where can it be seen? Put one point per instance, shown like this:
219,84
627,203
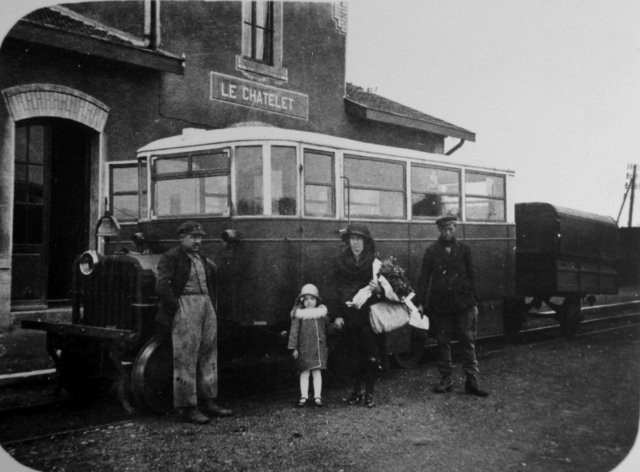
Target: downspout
152,23
455,148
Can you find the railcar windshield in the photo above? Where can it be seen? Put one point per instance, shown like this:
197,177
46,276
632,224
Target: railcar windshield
296,174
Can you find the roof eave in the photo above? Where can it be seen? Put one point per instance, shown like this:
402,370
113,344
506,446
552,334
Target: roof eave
151,59
372,114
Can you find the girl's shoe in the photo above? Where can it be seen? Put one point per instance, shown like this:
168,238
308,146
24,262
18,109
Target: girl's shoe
355,398
302,402
368,400
318,401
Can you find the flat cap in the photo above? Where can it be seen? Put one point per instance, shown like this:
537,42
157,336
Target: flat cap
190,227
445,220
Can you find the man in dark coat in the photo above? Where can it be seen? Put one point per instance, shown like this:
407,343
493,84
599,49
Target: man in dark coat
186,287
447,290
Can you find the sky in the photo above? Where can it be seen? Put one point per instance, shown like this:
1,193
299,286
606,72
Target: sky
550,87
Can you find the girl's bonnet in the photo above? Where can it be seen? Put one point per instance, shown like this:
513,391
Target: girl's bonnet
309,289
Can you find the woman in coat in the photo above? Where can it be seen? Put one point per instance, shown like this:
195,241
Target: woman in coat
354,271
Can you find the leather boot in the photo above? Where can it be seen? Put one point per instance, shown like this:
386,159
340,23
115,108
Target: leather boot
192,414
471,386
445,384
210,408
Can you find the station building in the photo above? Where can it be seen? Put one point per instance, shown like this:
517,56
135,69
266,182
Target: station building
85,85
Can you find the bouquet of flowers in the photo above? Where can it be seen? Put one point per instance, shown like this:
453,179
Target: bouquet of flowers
393,279
396,276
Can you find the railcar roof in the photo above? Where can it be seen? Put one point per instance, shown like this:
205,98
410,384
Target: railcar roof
194,138
559,211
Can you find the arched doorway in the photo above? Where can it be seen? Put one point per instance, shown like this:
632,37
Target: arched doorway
51,207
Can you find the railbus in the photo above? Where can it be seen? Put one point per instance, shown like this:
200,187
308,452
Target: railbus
273,203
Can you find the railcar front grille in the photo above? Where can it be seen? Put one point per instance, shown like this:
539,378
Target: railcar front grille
105,297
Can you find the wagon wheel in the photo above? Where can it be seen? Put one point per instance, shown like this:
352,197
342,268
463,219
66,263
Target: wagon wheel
570,316
85,369
410,358
152,376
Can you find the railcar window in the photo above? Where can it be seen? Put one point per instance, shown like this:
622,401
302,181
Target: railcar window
249,180
142,188
485,197
318,183
434,192
192,184
283,181
377,188
124,196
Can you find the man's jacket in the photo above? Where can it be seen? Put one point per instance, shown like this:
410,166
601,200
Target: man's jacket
173,273
447,282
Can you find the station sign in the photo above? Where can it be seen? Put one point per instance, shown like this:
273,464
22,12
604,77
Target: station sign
254,95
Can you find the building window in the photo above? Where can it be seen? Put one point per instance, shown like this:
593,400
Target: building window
260,26
434,192
191,184
29,184
484,197
123,191
319,183
262,40
376,188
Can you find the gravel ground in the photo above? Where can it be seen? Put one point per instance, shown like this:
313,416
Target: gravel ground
561,405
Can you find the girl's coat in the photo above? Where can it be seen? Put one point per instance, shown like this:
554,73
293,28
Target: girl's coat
308,335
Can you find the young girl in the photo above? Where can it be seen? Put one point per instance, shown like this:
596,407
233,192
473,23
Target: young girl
308,340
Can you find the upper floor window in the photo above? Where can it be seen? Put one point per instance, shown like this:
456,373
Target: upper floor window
434,192
191,184
376,188
262,39
484,197
260,26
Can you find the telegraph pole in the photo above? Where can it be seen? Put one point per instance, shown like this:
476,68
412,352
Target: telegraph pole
630,187
633,192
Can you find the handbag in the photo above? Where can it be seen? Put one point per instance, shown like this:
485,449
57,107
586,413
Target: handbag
418,321
386,316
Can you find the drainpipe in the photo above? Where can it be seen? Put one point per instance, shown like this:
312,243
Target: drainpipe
152,23
455,148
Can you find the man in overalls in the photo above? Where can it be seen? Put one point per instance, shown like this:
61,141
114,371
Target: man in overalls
185,285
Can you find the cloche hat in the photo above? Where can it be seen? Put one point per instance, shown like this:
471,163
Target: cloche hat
310,289
356,229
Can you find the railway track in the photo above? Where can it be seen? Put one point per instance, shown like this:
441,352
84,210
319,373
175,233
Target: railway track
112,414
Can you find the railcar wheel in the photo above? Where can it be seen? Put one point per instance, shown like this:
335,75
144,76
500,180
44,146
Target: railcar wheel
570,316
514,315
152,376
85,370
411,358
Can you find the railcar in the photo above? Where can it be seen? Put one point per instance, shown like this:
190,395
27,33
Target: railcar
274,203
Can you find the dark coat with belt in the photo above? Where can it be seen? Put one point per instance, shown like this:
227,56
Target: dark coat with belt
447,282
173,273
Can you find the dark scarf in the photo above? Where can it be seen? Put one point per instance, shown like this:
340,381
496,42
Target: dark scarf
352,270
